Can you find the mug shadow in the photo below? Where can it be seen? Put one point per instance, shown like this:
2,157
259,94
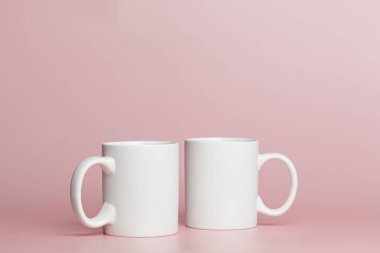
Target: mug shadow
270,224
187,238
85,234
73,228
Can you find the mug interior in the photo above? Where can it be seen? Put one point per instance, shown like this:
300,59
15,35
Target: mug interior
138,143
220,139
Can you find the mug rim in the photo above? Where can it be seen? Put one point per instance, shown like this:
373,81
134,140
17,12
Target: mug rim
219,140
138,143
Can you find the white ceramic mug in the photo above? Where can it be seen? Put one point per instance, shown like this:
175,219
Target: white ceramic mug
140,188
222,183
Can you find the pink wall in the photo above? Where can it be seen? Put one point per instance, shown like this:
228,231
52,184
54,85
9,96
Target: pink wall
301,76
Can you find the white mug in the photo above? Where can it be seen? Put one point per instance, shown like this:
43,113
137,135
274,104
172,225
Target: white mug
222,183
140,188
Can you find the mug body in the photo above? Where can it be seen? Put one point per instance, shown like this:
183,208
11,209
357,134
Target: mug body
143,189
221,183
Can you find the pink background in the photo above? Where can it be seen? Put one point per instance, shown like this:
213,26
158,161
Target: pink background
301,76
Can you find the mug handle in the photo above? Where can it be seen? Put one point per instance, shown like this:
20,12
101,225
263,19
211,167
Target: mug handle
261,207
107,213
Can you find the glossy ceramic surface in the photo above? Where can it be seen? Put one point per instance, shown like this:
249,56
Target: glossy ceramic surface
140,189
222,183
